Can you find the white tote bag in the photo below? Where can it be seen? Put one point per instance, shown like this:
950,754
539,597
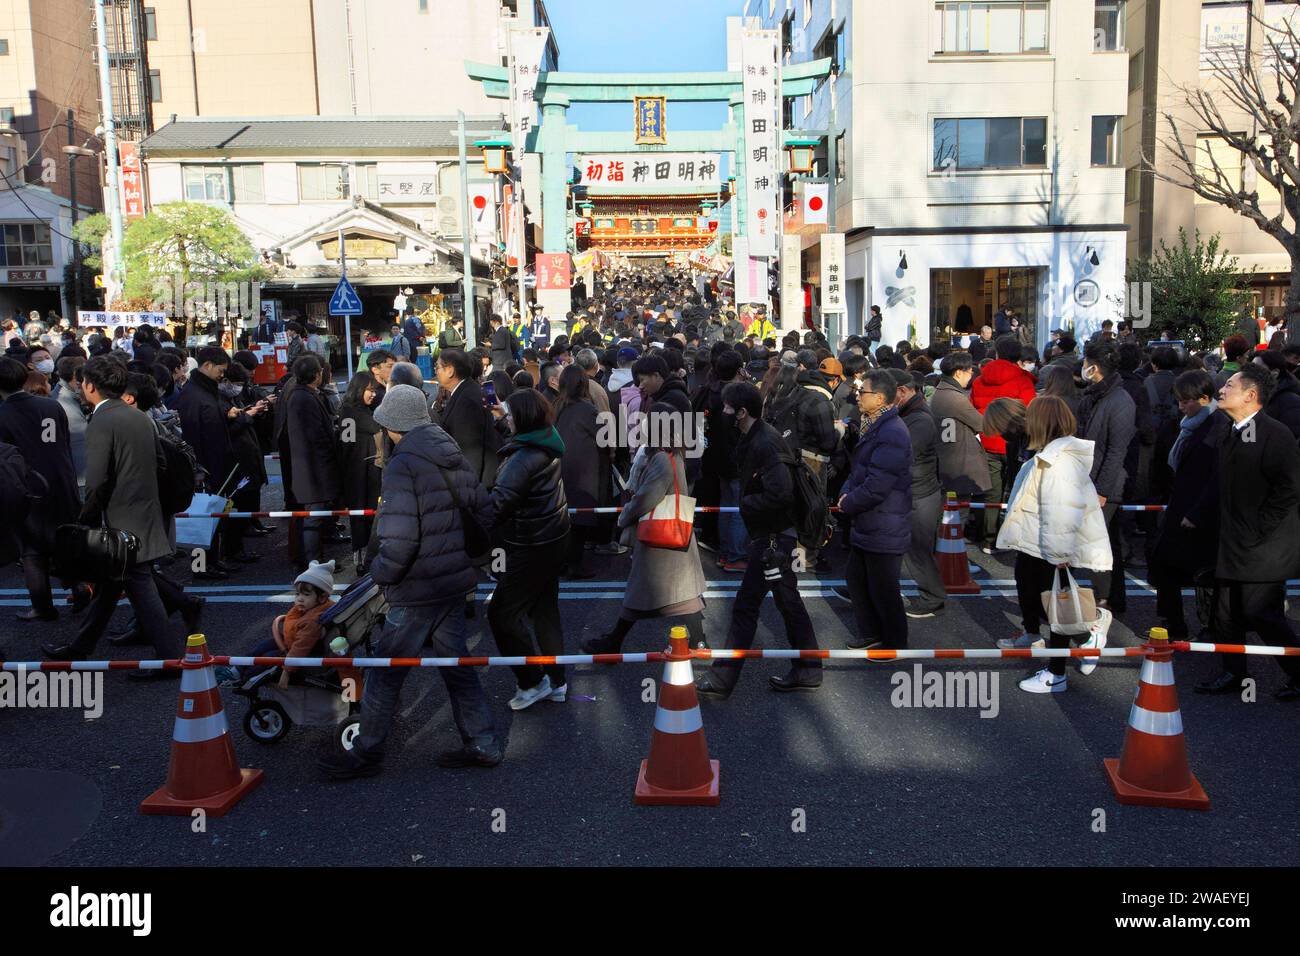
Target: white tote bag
1070,610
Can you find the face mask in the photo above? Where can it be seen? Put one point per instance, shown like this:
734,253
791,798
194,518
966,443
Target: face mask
46,367
229,389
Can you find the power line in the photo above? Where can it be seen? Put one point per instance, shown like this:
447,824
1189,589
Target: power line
17,191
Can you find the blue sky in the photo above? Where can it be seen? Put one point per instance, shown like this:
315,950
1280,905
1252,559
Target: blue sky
636,36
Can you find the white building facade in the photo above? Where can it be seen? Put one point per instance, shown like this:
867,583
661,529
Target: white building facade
978,165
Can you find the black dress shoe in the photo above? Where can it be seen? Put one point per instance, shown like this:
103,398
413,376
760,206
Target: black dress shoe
605,644
708,685
1288,691
190,614
31,614
347,766
1225,683
258,531
61,652
858,644
470,757
790,682
165,673
129,638
212,574
244,557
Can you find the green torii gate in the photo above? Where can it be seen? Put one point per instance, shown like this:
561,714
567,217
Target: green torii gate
554,139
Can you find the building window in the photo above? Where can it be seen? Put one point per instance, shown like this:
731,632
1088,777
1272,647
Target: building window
1224,30
155,86
26,244
247,180
320,183
1105,140
206,184
1132,185
1007,142
367,180
150,23
1108,25
4,47
1136,67
6,115
994,27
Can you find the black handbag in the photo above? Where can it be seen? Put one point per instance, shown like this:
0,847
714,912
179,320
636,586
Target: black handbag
85,553
478,541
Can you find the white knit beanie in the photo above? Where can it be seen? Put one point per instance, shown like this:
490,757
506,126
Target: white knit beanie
318,575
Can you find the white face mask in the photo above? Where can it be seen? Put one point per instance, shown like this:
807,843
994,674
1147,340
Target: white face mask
47,366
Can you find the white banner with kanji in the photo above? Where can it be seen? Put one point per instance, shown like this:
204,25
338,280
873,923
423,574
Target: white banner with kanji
761,72
683,171
832,272
527,47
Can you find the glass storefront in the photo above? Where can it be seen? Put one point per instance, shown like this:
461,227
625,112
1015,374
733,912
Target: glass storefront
962,300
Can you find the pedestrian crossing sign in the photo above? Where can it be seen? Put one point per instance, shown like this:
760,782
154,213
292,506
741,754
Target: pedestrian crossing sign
345,300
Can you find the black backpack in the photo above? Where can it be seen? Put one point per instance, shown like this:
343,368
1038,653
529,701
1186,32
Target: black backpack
812,516
178,478
784,417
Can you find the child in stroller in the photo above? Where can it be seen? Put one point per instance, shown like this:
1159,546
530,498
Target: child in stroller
316,627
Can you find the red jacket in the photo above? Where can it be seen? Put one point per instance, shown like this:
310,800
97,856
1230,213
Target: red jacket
1001,379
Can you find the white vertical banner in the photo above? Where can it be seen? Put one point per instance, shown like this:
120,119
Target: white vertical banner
527,47
761,73
791,283
832,291
740,271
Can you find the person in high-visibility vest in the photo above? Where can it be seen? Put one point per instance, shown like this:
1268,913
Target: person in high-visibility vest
521,330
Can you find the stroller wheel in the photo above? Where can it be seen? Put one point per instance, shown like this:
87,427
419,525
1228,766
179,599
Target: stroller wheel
266,722
346,732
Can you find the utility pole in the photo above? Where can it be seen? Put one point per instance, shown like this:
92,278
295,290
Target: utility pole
110,144
72,198
467,281
347,319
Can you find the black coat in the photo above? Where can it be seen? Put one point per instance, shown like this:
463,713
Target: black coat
245,449
720,454
310,432
1107,417
1259,503
1284,405
499,348
924,434
361,477
817,432
766,481
585,465
205,430
1194,495
23,418
466,421
529,507
421,558
672,393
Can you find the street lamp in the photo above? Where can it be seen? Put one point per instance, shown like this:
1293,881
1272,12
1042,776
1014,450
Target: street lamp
799,154
496,155
72,152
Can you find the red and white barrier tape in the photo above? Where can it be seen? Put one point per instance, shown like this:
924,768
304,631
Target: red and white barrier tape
1262,650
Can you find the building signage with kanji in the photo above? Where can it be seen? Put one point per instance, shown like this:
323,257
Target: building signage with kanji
651,120
408,188
832,256
553,271
132,181
698,172
761,84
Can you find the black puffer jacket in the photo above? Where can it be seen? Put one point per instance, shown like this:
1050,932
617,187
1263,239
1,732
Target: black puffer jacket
817,432
422,559
766,481
674,393
528,499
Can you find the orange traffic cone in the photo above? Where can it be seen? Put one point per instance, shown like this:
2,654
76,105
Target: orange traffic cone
678,770
1152,769
950,551
204,773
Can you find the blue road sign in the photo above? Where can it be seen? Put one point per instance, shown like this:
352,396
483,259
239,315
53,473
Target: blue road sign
345,300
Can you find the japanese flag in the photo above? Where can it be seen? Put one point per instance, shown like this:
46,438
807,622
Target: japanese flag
815,201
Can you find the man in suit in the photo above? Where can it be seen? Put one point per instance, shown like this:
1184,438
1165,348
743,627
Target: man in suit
1259,530
461,414
205,430
315,469
503,352
268,328
123,456
38,427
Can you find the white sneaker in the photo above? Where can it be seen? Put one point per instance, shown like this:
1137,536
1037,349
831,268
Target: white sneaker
1044,682
526,698
1096,638
1021,641
560,694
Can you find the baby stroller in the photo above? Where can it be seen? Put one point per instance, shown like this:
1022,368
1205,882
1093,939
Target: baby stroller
319,696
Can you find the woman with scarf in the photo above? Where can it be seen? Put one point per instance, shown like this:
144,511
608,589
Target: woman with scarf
1186,543
361,454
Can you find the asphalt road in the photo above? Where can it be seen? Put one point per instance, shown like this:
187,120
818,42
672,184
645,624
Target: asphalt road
876,784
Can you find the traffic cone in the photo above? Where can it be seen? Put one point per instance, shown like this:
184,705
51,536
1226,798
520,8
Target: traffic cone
1152,770
678,771
204,773
950,551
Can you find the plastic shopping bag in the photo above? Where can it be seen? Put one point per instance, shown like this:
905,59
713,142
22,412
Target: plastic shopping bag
198,532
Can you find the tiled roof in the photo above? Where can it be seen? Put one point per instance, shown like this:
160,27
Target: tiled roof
321,133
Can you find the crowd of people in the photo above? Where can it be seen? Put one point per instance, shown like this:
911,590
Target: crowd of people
657,391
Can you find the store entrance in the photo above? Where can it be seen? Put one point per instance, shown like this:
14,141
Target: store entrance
962,300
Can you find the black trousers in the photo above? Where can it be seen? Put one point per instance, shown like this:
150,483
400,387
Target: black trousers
142,592
313,532
1255,606
529,590
1168,582
919,560
754,587
1111,586
877,601
36,575
1033,577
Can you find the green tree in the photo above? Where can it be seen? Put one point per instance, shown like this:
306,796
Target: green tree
90,233
1196,292
183,242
